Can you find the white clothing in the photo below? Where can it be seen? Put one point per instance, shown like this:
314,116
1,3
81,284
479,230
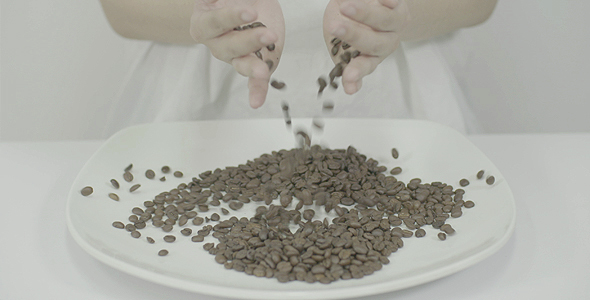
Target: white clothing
179,83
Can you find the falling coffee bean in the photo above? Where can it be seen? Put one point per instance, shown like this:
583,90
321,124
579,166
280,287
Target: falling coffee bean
396,171
480,174
163,252
335,49
258,54
355,53
134,188
115,183
163,178
463,182
87,191
178,174
490,180
269,63
345,57
328,106
277,84
150,174
394,153
114,196
271,47
128,176
322,82
165,169
128,168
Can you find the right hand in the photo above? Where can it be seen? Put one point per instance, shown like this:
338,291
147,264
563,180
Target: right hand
213,23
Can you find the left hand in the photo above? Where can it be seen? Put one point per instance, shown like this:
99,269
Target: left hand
370,26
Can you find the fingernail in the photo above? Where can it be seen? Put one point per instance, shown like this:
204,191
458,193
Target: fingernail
339,31
248,16
349,10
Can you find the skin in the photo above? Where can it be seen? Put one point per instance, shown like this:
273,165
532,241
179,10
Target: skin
374,27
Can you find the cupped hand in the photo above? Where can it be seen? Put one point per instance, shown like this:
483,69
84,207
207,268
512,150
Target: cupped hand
372,27
253,52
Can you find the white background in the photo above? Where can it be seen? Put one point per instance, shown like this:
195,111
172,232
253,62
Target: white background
525,70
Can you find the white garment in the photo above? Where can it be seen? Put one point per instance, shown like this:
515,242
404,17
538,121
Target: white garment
179,83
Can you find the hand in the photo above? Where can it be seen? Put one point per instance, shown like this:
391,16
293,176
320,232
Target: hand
370,26
213,23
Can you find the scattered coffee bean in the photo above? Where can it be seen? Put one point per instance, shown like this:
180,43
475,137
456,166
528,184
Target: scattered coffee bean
114,196
150,174
469,204
178,174
165,169
169,238
306,139
277,84
118,224
128,176
328,106
447,228
87,191
355,53
335,49
394,153
269,63
420,233
322,83
345,46
186,231
480,174
163,252
198,221
134,188
463,182
136,234
215,217
115,183
442,236
150,240
258,54
396,171
490,180
257,24
345,57
197,238
271,47
128,168
317,124
163,178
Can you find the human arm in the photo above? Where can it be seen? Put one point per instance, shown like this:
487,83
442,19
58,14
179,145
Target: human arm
376,27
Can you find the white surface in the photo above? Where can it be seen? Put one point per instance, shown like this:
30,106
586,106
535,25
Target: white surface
428,151
524,70
546,258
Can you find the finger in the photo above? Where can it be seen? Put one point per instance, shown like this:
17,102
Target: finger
207,24
379,16
259,77
365,39
241,43
356,70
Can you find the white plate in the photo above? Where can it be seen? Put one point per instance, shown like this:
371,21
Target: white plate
427,150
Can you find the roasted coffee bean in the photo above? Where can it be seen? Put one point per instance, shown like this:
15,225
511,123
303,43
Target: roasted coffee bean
490,180
128,168
186,231
322,83
335,49
163,178
335,41
258,54
87,191
317,124
305,137
115,183
150,240
165,169
480,174
114,196
224,211
345,57
150,174
136,234
394,153
169,238
396,171
336,71
277,84
215,217
128,176
269,63
118,224
442,236
420,233
469,204
134,188
178,174
463,182
198,221
447,228
271,47
163,252
197,238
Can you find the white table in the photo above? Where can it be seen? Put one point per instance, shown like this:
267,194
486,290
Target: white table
548,256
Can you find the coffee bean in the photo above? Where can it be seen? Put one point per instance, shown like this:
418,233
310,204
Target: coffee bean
345,46
150,174
335,49
257,24
463,182
317,124
128,176
115,183
269,63
271,47
322,83
87,191
335,41
334,85
134,188
327,106
114,196
345,57
277,84
215,217
198,221
480,174
135,234
469,204
355,53
163,178
305,137
169,238
336,71
163,252
447,228
420,233
128,168
396,171
197,238
165,169
442,236
118,224
178,174
394,153
258,54
490,180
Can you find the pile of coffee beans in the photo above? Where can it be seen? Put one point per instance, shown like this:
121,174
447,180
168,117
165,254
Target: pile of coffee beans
367,214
